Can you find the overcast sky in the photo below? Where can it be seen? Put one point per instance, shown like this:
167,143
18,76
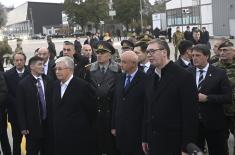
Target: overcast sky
16,3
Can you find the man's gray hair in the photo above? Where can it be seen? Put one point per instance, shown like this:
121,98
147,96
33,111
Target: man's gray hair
67,61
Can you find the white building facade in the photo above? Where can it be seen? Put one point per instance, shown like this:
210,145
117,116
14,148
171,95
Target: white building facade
218,16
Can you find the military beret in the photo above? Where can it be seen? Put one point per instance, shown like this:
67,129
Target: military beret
105,47
127,44
226,43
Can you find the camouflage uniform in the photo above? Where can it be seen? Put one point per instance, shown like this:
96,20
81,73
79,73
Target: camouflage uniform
214,59
177,38
229,109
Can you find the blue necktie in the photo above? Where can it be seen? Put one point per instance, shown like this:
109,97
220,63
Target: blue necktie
128,82
42,101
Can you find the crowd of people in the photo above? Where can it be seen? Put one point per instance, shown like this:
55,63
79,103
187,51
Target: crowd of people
92,99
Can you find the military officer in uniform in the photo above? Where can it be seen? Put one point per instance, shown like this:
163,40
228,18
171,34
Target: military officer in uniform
178,36
103,75
127,45
227,62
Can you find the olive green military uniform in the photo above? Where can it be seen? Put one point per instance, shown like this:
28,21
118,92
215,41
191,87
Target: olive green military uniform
229,109
177,38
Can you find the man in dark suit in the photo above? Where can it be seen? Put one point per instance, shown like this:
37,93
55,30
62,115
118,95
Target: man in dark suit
144,64
185,49
79,61
171,112
43,52
78,45
34,108
214,90
4,141
169,34
74,111
188,34
128,108
205,36
13,76
87,51
103,74
51,48
196,39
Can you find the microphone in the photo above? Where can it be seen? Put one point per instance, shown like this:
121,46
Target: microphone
193,149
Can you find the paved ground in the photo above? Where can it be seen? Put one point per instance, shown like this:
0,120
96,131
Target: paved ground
29,47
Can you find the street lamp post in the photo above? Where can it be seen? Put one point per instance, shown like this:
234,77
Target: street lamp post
32,22
181,4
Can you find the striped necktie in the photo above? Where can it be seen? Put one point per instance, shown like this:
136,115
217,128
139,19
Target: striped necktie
200,80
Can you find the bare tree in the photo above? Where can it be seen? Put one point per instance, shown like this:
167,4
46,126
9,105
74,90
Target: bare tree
3,16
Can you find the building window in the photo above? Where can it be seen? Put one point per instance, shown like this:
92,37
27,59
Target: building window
183,16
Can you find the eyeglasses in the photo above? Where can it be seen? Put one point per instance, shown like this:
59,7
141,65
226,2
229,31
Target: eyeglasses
152,51
66,49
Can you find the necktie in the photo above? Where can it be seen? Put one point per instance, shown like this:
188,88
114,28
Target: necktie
128,82
200,80
42,101
142,67
103,70
20,74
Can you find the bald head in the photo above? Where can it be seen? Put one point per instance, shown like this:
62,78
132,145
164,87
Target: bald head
129,62
86,50
43,52
130,56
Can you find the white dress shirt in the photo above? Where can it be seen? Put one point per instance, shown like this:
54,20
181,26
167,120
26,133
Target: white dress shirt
205,69
146,66
185,61
64,86
132,76
46,67
41,81
20,72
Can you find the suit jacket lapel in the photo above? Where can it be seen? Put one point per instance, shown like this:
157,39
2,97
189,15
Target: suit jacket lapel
134,81
67,90
207,77
165,79
34,87
162,84
122,84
